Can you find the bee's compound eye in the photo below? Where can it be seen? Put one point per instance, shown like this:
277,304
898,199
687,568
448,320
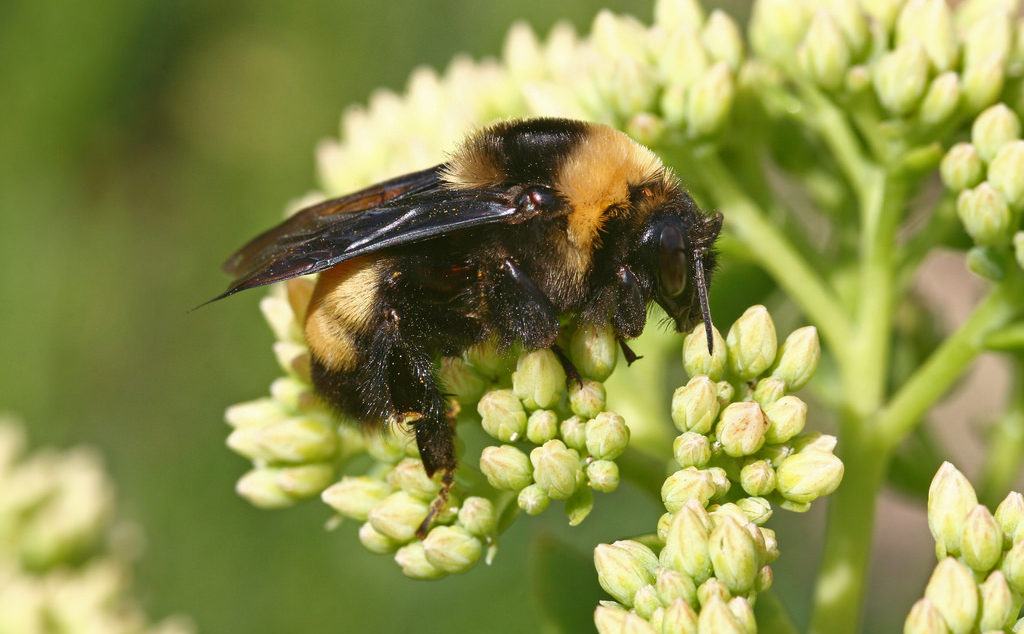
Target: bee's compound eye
672,264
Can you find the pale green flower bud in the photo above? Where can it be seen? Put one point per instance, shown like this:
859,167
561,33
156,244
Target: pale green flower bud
884,12
610,619
673,106
671,14
961,168
645,602
989,37
741,429
691,449
924,618
574,432
293,358
506,467
900,77
687,484
622,570
541,426
798,358
307,480
776,27
297,439
453,549
994,128
539,380
710,100
757,509
633,86
556,469
258,413
824,55
607,436
281,319
695,405
950,498
985,262
720,480
587,400
716,618
857,80
1008,515
808,475
521,51
645,128
931,22
722,39
533,499
681,61
593,351
771,544
1006,172
733,556
757,478
941,99
409,476
387,447
1013,566
997,603
673,584
502,415
398,516
603,475
478,516
663,522
260,487
686,542
768,390
786,418
696,359
1018,248
985,214
983,82
619,36
487,360
751,343
635,624
743,613
679,618
376,542
982,542
954,593
725,392
292,393
413,560
458,378
765,578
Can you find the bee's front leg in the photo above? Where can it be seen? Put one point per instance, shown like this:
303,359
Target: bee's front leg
518,309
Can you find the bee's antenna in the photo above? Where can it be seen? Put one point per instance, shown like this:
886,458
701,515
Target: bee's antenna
702,296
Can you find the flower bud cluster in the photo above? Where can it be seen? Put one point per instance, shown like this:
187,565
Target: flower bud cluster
559,441
978,582
57,572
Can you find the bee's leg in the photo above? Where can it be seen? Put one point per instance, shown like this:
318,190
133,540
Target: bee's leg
519,309
572,375
629,313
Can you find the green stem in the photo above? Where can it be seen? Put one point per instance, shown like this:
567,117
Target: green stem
772,617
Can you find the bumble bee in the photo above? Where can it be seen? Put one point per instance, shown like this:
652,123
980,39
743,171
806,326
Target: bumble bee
528,222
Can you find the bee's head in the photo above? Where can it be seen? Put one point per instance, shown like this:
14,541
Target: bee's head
678,247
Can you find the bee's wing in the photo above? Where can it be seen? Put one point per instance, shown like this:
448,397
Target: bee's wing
334,231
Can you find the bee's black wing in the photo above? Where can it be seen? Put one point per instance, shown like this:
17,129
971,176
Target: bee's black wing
400,211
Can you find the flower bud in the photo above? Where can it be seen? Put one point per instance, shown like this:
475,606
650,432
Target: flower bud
621,571
539,380
258,413
786,418
768,390
716,618
722,39
645,602
610,620
574,432
292,393
452,548
376,542
884,12
798,358
686,542
733,556
281,319
931,22
673,106
941,99
478,516
696,359
994,128
305,480
673,584
985,215
398,516
459,378
556,469
751,343
1013,566
502,415
633,86
672,14
824,54
687,484
950,498
679,618
695,405
776,27
413,559
757,509
587,400
924,618
1008,515
296,439
900,77
603,475
961,168
725,391
997,603
691,449
741,429
354,496
533,499
954,594
710,100
593,351
757,478
409,476
261,488
983,82
681,61
619,36
982,541
808,475
990,36
1006,172
506,467
607,436
743,613
487,360
541,426
720,480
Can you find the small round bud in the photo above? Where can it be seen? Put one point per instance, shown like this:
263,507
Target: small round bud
261,488
751,343
696,359
994,128
985,215
1006,172
733,556
621,571
607,436
292,393
574,432
398,516
1013,566
1008,515
682,59
716,617
982,541
924,618
798,358
502,415
996,603
941,100
452,548
954,594
807,476
539,380
720,480
376,542
295,439
961,168
950,498
930,22
743,613
824,55
983,82
741,429
409,476
478,516
691,449
587,400
686,543
603,475
768,390
533,499
459,378
663,523
900,77
786,418
281,319
673,584
673,14
487,360
541,426
776,27
757,478
710,100
593,351
610,620
725,391
556,469
695,405
354,496
679,618
506,467
989,36
722,39
306,480
258,413
413,559
687,484
757,509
